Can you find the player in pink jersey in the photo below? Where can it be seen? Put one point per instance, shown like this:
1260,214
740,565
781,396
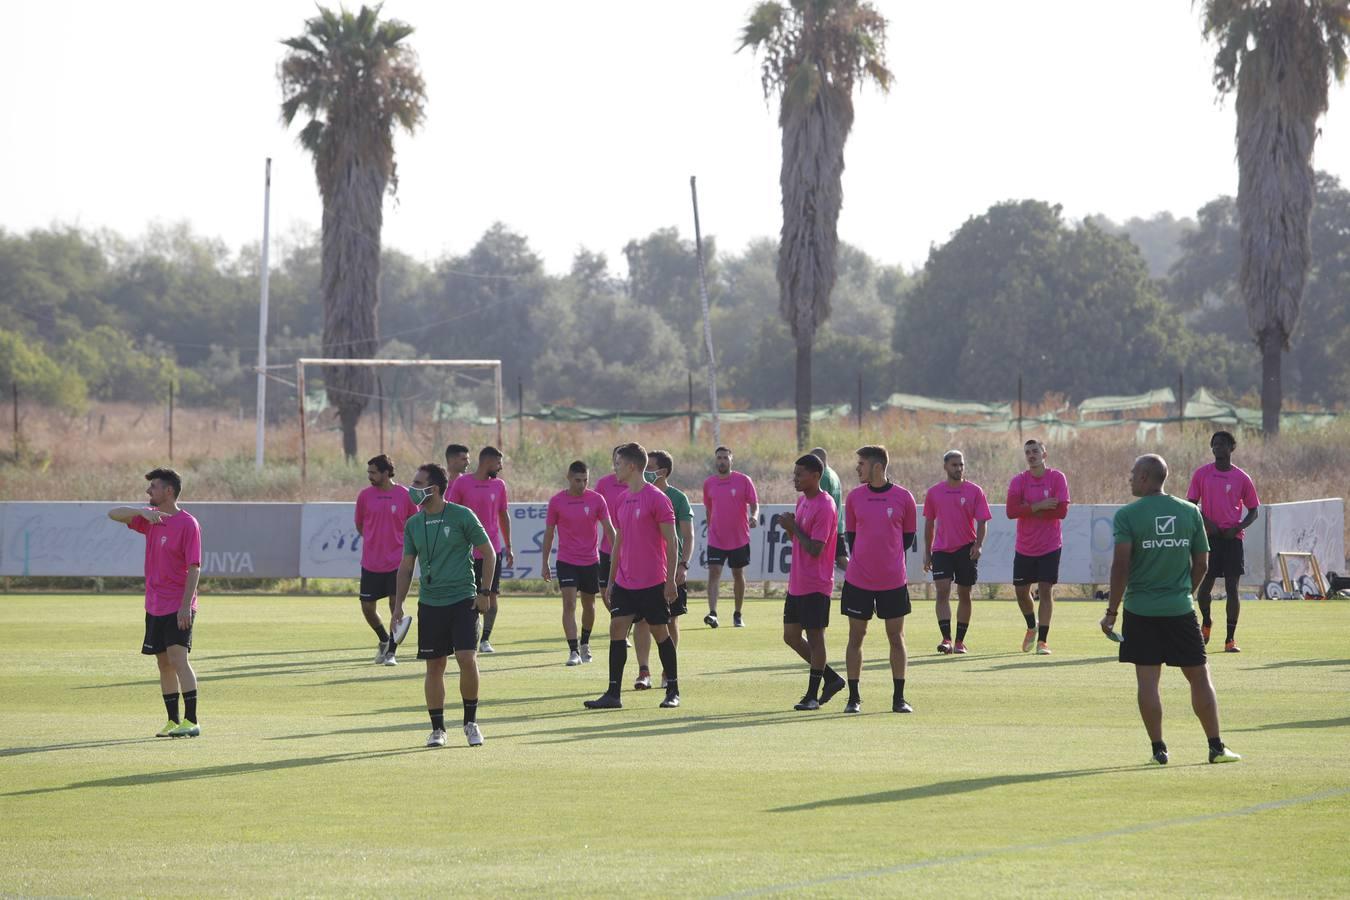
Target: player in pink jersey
573,515
660,465
880,521
1222,490
642,584
456,463
611,488
956,518
173,567
814,529
484,492
732,509
381,511
1038,500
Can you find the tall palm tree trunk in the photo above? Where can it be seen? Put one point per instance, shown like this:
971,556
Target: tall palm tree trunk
803,392
1272,390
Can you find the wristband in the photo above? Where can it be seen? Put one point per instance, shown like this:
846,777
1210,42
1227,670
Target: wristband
1110,611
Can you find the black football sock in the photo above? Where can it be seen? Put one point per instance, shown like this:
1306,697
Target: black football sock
1205,601
899,689
961,628
171,704
945,626
585,635
1215,745
1233,610
1159,747
813,684
831,676
470,711
1232,630
380,632
1031,620
437,719
670,662
853,691
190,706
572,644
1043,633
618,656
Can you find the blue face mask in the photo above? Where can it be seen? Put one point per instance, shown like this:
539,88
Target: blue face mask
419,495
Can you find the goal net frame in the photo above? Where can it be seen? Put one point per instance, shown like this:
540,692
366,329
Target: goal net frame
494,364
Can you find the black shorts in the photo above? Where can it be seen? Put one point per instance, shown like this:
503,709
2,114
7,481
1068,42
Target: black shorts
602,570
736,559
681,604
378,585
162,632
956,565
1226,558
1034,569
496,576
860,603
440,629
643,604
1159,640
807,610
586,579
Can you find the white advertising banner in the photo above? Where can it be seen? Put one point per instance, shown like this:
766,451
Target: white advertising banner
1312,526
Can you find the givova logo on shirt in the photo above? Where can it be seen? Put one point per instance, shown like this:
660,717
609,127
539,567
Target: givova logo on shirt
1164,535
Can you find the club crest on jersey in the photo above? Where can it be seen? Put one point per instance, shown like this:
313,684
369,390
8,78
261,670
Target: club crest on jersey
890,512
1047,493
163,539
1227,488
585,509
446,531
393,507
963,501
733,492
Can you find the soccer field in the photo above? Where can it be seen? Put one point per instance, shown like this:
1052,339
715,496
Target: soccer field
1018,775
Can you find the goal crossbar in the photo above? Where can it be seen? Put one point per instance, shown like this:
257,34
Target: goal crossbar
494,364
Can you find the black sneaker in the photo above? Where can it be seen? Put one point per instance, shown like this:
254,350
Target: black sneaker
736,620
853,706
604,701
807,702
672,700
1160,757
710,620
830,689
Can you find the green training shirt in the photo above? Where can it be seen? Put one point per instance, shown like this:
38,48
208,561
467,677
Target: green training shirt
443,544
683,513
829,483
1162,532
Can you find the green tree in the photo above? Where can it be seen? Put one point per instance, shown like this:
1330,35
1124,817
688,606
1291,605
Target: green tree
356,80
24,365
1279,56
814,52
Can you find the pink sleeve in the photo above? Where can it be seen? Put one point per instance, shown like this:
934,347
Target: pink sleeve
360,507
982,513
665,511
139,525
1062,510
603,511
929,508
1249,494
707,504
455,493
1013,502
827,525
850,518
1193,492
192,550
505,500
750,491
551,516
911,523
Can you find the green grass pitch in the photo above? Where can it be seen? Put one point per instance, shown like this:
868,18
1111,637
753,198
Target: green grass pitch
1018,775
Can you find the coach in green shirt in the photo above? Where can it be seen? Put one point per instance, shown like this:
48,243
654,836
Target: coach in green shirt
441,538
1160,558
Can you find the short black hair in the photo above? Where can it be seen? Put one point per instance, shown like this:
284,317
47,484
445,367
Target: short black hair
723,449
634,452
875,453
1227,436
455,450
436,475
382,463
811,462
489,451
1037,441
169,477
820,454
663,460
578,467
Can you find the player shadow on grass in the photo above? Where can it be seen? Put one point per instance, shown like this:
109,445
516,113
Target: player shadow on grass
955,786
647,728
1062,661
238,672
165,775
75,745
879,662
215,656
1342,722
1284,664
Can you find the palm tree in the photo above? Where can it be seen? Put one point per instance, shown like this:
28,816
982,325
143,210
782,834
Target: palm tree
1279,55
354,79
814,51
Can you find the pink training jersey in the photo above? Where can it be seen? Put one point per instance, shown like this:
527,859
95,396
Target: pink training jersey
817,519
1222,495
487,498
575,519
611,488
727,503
1038,533
170,548
956,509
879,520
639,516
380,516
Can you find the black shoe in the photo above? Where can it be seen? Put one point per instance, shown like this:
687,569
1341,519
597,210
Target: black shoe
736,620
604,701
710,620
830,689
853,706
672,700
901,706
807,702
1160,757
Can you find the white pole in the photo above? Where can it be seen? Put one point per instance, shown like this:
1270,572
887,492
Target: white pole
707,321
262,321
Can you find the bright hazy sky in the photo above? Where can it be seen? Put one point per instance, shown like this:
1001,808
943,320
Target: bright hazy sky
579,124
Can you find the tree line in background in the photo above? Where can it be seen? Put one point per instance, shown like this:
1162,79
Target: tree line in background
1076,308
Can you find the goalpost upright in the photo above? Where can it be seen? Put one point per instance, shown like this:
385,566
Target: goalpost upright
494,364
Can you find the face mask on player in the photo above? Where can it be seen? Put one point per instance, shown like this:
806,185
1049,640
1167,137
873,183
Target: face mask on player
419,495
650,477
